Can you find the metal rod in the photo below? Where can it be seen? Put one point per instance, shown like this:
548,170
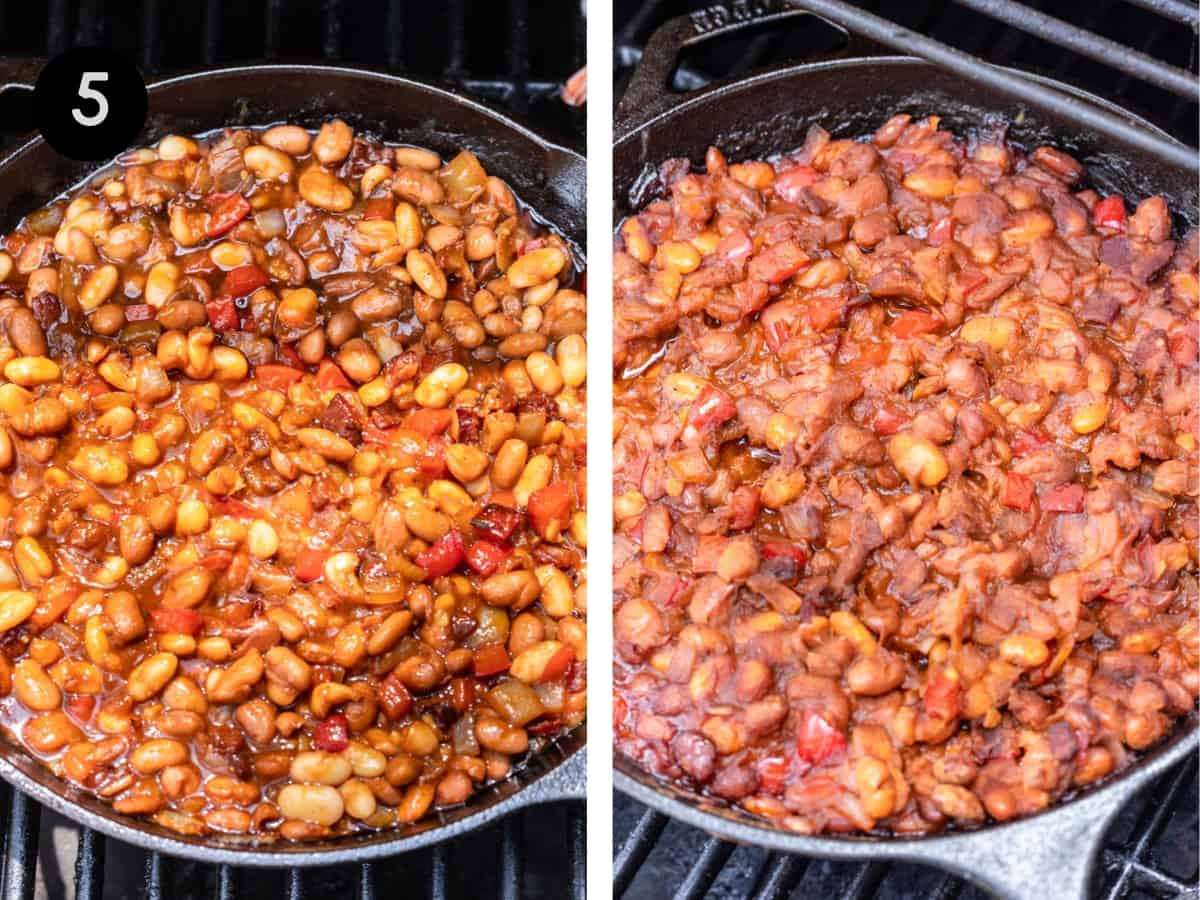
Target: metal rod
1081,112
456,52
518,48
89,866
1176,10
157,877
294,885
274,21
636,848
56,31
704,870
439,864
395,31
366,881
212,30
1093,46
226,882
1151,822
21,848
577,849
780,877
510,858
866,881
333,29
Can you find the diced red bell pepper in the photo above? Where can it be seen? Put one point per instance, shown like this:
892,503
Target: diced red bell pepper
664,590
556,667
290,354
497,522
773,774
231,506
485,557
432,461
1109,213
1063,498
81,706
943,693
734,247
544,725
176,621
777,549
816,739
330,376
139,312
889,420
1027,441
711,408
491,659
429,422
550,506
708,551
276,376
222,313
244,280
620,710
380,207
227,210
790,185
914,322
216,561
310,563
1018,492
444,556
373,434
332,734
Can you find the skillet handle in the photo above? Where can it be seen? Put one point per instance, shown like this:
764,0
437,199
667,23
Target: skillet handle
648,93
1045,856
568,781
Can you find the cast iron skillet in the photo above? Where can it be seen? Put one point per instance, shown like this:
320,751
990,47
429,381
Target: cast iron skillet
1052,853
548,177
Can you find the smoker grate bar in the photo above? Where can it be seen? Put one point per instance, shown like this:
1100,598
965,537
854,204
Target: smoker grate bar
439,872
780,876
700,877
1085,43
1177,10
510,858
1150,825
89,866
20,846
518,48
294,886
948,888
366,881
333,29
157,876
577,849
456,52
226,882
636,848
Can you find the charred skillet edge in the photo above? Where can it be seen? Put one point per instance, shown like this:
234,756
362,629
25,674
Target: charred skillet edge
556,774
1017,859
561,781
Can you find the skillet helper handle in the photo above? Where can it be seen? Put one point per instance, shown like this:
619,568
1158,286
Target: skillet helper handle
648,93
568,781
1035,858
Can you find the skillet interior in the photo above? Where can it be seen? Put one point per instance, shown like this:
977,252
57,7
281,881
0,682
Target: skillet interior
551,179
770,114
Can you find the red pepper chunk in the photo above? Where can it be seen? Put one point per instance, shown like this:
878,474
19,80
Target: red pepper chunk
711,408
550,506
943,693
778,263
558,664
497,522
243,280
1025,442
176,621
491,659
330,377
777,549
708,552
485,557
789,186
915,322
889,420
1063,498
227,210
222,314
773,774
332,734
941,231
310,563
443,556
429,422
1018,492
816,739
276,376
1109,213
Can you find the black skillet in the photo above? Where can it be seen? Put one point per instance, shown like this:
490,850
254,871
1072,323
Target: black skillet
1051,854
551,179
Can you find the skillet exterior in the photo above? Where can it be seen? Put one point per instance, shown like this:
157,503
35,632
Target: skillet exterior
550,178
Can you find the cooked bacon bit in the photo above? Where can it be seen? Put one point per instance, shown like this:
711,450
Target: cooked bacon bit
333,734
1018,492
1063,498
498,522
1109,213
816,740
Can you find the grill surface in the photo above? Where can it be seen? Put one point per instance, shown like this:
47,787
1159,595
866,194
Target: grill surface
1151,851
503,54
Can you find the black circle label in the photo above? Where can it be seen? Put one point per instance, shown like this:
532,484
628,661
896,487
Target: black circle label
90,103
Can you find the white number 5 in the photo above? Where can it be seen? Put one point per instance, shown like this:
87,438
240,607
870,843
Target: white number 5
87,92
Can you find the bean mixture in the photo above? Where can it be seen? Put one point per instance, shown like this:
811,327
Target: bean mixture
292,467
906,480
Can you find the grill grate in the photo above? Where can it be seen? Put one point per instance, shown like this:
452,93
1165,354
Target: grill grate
1151,850
484,50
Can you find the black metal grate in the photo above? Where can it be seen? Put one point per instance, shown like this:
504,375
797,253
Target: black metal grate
1151,852
513,57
